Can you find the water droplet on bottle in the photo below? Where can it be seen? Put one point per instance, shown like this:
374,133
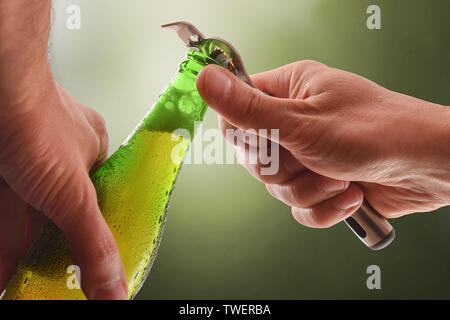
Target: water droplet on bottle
169,105
185,104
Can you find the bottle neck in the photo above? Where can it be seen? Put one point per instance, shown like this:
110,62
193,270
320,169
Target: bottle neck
195,63
180,106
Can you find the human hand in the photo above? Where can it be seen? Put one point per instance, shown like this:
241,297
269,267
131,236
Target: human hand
48,145
49,142
336,127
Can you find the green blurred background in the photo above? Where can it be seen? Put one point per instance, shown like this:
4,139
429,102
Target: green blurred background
225,236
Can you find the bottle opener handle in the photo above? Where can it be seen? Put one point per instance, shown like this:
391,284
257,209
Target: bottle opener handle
370,227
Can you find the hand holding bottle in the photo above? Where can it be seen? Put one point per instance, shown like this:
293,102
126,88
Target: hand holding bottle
49,142
337,127
45,158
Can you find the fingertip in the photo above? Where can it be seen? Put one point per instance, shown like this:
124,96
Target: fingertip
102,275
304,217
352,198
115,290
94,249
332,211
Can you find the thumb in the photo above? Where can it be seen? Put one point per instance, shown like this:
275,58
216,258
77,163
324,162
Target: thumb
92,244
242,105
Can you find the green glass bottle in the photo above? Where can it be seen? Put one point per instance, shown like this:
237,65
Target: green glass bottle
133,188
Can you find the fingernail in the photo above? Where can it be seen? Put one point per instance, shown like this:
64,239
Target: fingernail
331,185
347,201
112,291
218,83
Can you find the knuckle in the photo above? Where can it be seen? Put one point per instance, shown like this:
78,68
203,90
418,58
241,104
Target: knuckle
97,119
255,171
302,216
99,124
104,252
98,137
298,196
96,122
311,218
271,189
321,220
306,65
297,215
270,179
103,262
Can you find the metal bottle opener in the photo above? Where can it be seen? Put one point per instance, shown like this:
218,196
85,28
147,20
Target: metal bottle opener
368,225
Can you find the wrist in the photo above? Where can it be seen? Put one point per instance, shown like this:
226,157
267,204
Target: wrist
26,91
24,30
441,145
417,141
435,150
